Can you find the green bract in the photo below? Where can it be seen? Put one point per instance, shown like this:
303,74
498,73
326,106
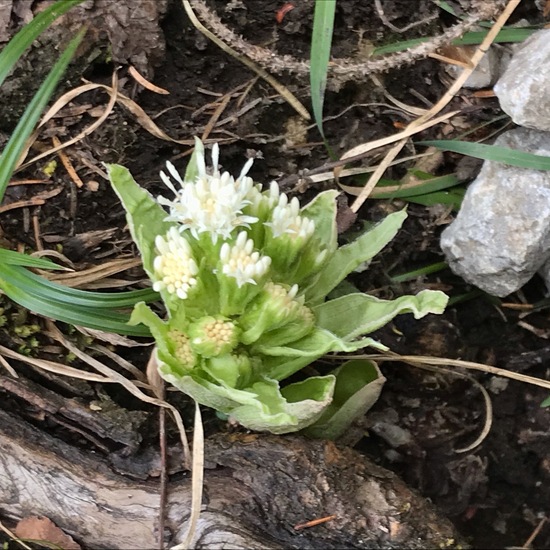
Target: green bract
244,274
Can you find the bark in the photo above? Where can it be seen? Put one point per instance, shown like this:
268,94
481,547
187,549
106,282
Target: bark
257,488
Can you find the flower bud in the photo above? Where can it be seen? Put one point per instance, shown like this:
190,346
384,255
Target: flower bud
240,273
287,235
180,347
212,336
273,308
302,324
233,370
175,268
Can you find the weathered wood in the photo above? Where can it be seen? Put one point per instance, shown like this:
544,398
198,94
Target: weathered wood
256,489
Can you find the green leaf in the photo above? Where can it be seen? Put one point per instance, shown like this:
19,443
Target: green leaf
430,185
351,256
15,146
358,386
321,40
261,406
146,218
322,210
513,157
354,315
283,361
11,53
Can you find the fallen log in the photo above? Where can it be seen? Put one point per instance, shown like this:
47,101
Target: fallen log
257,488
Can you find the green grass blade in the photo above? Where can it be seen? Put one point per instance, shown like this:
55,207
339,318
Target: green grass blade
33,284
25,127
321,40
11,53
513,157
11,257
469,39
413,275
453,198
431,185
445,6
50,300
107,321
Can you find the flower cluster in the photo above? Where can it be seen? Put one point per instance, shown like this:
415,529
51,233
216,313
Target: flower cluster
245,274
251,299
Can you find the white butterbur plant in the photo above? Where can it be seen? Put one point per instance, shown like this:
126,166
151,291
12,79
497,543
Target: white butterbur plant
244,274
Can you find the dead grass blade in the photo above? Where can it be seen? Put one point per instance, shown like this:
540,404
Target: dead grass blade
115,377
358,152
66,98
444,362
56,368
486,397
197,481
88,277
418,124
8,367
140,79
283,91
13,537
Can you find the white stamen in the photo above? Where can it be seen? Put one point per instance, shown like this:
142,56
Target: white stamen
213,203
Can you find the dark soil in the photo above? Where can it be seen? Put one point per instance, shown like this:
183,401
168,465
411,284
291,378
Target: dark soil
496,493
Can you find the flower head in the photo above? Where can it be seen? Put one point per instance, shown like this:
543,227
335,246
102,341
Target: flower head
241,262
213,203
182,348
175,268
212,336
286,220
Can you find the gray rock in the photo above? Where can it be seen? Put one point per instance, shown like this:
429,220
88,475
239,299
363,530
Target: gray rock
501,236
523,89
484,74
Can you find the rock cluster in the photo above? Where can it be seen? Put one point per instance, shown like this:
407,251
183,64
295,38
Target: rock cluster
501,236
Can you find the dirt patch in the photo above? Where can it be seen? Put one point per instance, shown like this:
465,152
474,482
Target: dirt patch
496,493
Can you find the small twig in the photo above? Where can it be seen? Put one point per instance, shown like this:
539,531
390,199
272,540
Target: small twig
67,164
527,544
314,522
163,471
36,231
215,117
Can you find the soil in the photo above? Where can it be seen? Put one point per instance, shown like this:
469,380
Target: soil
496,493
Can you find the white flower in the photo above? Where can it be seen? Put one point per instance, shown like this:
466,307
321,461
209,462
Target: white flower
239,261
213,203
286,219
175,268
